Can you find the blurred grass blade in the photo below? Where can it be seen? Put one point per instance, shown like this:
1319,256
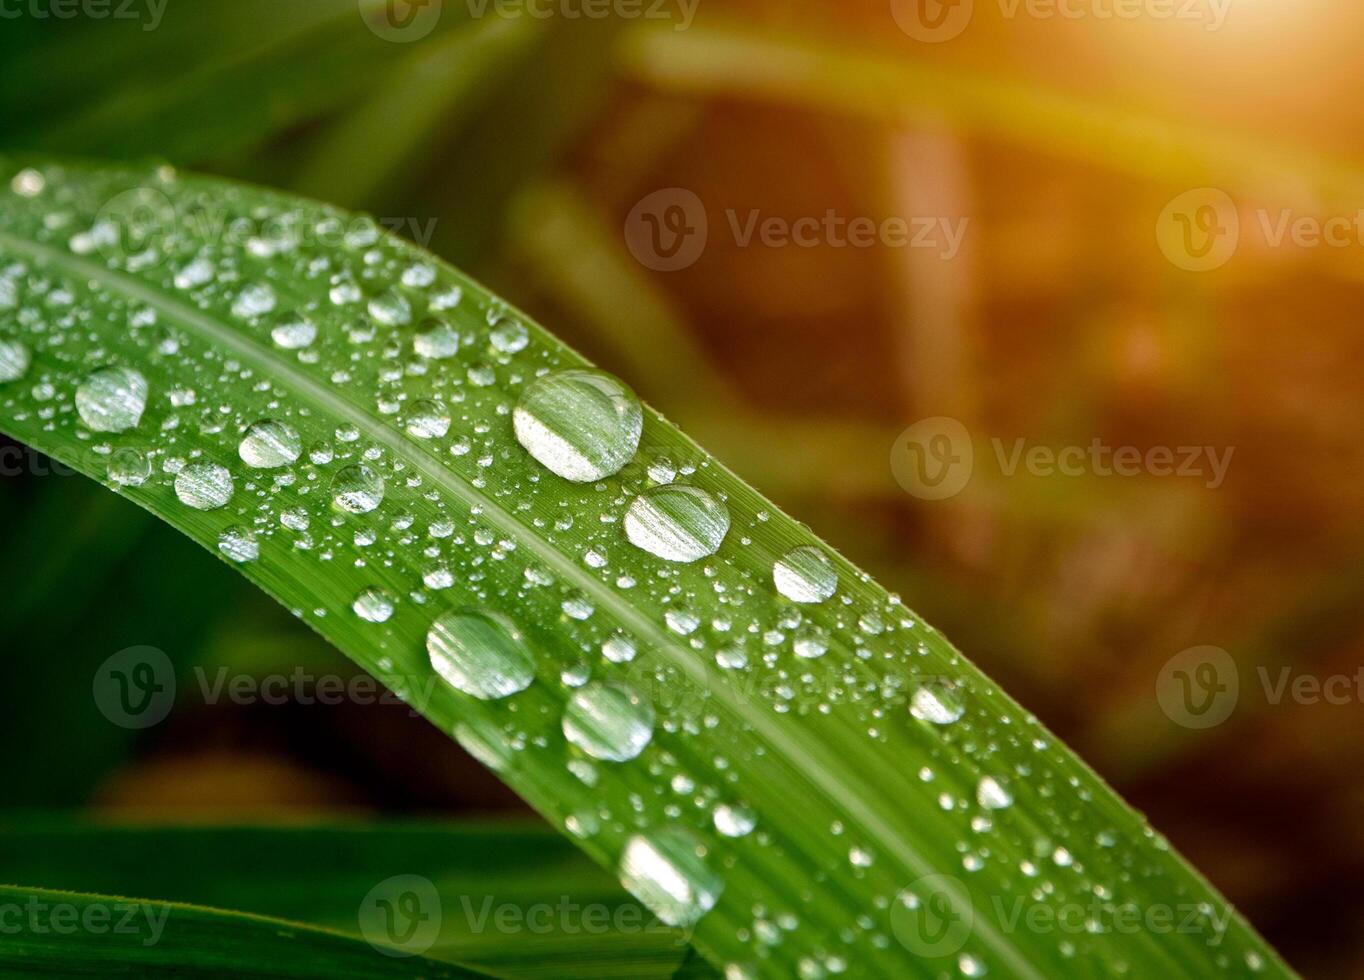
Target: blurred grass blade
68,934
517,901
762,743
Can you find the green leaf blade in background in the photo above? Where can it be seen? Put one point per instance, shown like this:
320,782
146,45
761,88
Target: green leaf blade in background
136,938
572,921
864,812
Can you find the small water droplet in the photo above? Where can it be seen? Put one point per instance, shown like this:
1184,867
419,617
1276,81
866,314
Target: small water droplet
426,419
479,653
435,340
811,643
238,543
677,523
609,721
373,605
734,820
991,795
128,467
619,649
292,331
357,489
509,336
391,308
936,702
14,360
805,575
204,485
28,183
667,871
255,300
112,399
270,443
581,425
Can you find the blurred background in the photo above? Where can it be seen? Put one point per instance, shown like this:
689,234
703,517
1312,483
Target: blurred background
1132,189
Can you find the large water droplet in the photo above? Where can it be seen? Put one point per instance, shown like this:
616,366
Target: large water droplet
357,489
112,399
14,360
270,443
581,425
479,653
204,485
677,523
805,575
667,871
609,721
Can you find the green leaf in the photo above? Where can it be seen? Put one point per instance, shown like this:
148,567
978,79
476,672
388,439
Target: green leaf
57,933
517,901
821,785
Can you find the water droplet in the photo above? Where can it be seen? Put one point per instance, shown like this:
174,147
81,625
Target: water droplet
254,300
734,820
609,721
426,419
28,183
391,308
239,544
129,467
811,643
581,425
667,871
14,360
204,486
677,523
292,331
436,340
373,605
805,575
357,489
936,702
270,443
479,653
860,857
970,966
991,795
619,649
683,622
112,399
509,336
